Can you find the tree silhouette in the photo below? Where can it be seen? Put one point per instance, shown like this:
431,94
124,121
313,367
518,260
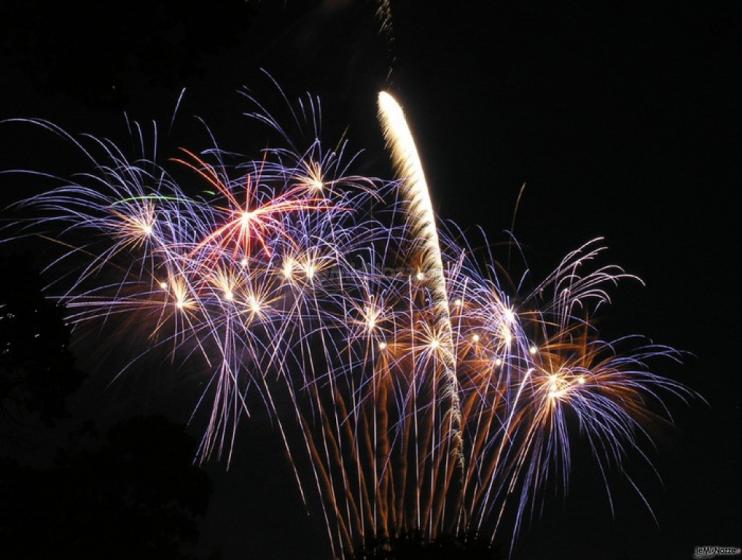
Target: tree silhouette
414,546
130,493
37,370
133,495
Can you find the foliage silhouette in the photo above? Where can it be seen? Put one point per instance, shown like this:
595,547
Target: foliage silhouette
37,370
132,492
414,546
133,495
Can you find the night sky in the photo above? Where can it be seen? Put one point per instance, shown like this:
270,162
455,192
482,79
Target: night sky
623,122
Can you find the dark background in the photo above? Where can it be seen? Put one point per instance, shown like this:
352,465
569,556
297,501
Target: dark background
622,121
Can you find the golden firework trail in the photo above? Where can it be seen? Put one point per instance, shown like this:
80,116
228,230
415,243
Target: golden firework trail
414,189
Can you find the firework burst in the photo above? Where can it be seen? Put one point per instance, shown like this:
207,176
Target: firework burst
411,388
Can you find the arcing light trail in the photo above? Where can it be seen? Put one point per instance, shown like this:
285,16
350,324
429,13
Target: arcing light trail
421,222
412,390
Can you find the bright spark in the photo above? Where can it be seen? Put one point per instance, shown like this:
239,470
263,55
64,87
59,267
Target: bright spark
288,268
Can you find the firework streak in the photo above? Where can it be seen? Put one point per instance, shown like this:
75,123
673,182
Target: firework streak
413,390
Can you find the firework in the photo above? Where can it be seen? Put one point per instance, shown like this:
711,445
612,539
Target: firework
412,387
422,226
